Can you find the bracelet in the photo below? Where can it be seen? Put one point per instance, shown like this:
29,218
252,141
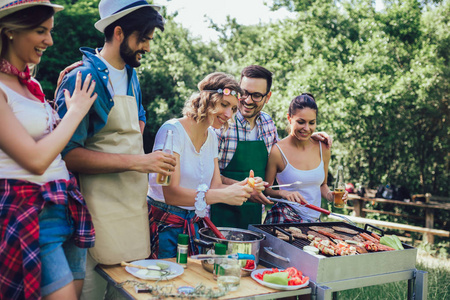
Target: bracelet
200,203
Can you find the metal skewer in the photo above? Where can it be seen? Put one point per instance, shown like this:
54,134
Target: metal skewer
284,185
316,208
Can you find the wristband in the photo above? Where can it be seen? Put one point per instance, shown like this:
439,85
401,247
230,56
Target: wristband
200,203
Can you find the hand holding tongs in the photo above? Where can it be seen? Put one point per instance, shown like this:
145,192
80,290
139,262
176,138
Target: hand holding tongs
316,208
284,185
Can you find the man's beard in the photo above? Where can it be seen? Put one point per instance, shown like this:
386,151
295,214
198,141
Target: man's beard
256,111
128,55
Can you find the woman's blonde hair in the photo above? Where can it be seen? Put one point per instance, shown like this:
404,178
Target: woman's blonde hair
22,20
204,103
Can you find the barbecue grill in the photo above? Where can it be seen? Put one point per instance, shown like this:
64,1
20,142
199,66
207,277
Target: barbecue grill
336,273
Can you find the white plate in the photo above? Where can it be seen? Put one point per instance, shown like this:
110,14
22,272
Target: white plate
277,286
175,269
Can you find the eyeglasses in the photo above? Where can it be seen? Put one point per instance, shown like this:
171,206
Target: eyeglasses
256,97
225,91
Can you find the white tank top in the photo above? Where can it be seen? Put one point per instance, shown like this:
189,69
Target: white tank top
38,120
309,189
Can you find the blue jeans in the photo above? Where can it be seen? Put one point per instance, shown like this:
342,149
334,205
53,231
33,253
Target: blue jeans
62,261
168,237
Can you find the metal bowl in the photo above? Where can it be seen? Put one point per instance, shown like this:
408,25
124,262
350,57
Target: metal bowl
238,241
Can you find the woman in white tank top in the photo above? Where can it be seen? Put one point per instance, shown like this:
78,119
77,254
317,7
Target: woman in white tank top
299,158
41,207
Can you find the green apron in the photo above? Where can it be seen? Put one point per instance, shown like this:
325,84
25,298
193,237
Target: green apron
249,155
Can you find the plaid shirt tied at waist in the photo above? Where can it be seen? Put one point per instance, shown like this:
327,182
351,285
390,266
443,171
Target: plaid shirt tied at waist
20,204
159,220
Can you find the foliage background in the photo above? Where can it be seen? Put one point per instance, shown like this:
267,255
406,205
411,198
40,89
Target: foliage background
381,79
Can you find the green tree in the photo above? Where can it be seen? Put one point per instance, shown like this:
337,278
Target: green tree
371,73
73,28
169,74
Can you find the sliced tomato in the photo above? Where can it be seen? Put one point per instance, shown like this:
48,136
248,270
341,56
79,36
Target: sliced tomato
259,276
275,270
295,281
293,272
250,264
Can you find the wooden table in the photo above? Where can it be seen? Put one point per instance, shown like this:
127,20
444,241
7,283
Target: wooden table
193,275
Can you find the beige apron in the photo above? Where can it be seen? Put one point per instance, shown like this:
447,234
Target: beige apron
117,201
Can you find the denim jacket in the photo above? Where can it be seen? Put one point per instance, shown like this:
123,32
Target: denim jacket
97,116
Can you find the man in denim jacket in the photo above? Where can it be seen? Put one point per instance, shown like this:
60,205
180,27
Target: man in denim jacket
106,150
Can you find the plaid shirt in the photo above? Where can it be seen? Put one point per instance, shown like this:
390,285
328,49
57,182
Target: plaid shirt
160,220
267,132
20,204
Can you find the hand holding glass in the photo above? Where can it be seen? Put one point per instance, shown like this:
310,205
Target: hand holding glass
168,148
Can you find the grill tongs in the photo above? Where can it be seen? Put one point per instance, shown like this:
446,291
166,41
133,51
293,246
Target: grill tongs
316,208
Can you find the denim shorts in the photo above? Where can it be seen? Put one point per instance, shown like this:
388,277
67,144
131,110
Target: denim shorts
62,261
168,237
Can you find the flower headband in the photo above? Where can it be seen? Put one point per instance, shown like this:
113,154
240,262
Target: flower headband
225,91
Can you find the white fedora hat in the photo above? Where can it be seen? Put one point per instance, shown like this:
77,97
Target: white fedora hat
8,7
113,10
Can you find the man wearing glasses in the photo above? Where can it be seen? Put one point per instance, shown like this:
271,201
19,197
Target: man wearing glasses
246,146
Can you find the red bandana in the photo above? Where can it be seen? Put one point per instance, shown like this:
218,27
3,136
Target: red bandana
24,78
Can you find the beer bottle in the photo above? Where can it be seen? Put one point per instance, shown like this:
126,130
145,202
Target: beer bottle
168,148
339,188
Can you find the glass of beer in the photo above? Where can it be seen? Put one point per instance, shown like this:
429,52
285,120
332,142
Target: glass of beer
163,179
168,148
339,188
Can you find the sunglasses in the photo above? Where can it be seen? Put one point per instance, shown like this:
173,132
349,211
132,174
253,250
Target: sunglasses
225,91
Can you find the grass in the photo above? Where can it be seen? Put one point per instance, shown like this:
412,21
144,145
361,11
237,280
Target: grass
434,259
438,283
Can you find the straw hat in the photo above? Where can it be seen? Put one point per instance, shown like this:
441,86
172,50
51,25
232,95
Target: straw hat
113,10
8,7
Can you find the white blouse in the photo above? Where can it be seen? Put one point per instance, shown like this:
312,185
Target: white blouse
196,167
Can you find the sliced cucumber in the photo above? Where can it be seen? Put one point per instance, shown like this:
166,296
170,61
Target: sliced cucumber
163,266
